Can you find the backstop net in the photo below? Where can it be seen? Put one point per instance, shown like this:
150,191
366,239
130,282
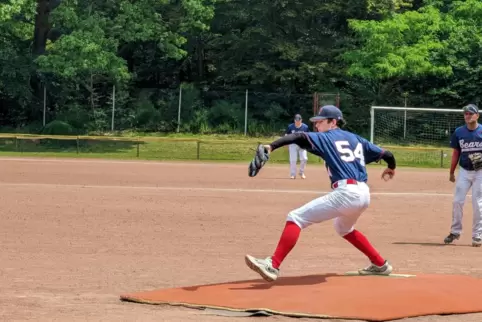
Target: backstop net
422,133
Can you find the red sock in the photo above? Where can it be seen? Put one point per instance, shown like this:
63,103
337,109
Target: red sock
358,240
287,241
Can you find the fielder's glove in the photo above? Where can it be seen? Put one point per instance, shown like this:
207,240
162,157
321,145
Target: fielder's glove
260,158
476,159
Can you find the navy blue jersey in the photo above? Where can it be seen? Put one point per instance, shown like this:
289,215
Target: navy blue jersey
466,142
345,153
293,129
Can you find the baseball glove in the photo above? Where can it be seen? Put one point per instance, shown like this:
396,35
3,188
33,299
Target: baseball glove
261,156
476,160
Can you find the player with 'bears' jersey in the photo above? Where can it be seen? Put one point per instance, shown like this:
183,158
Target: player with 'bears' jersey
466,142
346,155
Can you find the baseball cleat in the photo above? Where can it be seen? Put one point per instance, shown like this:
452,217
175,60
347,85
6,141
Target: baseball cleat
302,176
373,269
292,177
450,238
263,267
476,242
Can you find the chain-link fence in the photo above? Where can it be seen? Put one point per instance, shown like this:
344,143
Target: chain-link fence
186,110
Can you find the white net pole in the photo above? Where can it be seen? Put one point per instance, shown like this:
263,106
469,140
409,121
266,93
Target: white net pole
405,124
372,124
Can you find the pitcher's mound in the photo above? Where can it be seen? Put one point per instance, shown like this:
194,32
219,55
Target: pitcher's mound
373,298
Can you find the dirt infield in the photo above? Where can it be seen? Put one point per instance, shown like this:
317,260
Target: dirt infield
75,234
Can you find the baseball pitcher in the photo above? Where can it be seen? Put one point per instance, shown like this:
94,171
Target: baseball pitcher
346,156
466,142
295,151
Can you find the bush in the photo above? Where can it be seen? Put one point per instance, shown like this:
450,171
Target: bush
57,127
75,115
226,116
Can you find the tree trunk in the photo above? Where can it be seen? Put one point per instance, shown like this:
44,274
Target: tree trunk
200,58
92,101
42,27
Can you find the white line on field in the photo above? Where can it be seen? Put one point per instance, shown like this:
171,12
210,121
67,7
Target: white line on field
204,189
182,163
133,162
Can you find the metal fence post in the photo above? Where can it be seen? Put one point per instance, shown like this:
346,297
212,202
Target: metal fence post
45,106
198,152
246,114
113,109
179,110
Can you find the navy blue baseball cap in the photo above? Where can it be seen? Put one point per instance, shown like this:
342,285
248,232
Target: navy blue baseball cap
297,117
328,112
471,108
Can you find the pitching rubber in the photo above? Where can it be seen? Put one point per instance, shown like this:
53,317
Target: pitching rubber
356,273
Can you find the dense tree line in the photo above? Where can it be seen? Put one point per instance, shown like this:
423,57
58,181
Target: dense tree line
371,52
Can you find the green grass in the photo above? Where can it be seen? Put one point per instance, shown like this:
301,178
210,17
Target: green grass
186,147
221,137
424,158
145,150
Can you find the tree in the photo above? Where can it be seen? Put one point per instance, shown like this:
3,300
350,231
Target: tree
98,40
439,43
16,30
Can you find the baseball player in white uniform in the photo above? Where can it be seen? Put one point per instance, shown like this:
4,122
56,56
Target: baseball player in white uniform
295,151
466,142
346,156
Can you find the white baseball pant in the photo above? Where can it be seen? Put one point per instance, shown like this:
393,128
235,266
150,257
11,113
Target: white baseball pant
465,181
344,204
295,150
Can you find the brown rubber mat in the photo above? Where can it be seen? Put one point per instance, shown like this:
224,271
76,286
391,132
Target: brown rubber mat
373,298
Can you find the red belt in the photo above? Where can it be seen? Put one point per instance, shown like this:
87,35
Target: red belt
347,181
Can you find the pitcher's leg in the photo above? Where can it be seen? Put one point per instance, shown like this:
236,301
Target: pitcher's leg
462,186
268,268
293,160
286,243
477,210
318,210
315,211
344,226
